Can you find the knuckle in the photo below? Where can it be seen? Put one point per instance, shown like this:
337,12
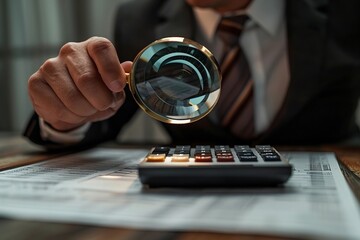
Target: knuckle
49,67
51,71
85,77
72,96
74,102
68,49
98,45
120,99
104,104
33,82
86,82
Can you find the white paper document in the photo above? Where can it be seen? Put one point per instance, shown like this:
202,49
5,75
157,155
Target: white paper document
101,187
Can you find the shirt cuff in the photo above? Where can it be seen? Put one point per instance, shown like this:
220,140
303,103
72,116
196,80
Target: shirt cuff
70,137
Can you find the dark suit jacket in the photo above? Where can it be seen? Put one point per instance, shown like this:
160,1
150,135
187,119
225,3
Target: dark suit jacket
323,44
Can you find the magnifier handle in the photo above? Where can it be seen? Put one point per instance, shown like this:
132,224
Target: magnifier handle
127,78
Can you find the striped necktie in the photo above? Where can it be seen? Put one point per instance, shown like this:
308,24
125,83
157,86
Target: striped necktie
235,108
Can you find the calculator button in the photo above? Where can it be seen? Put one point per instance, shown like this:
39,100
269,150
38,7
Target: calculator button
203,157
266,151
238,148
180,157
268,154
158,150
271,158
182,149
156,157
202,148
263,147
222,148
249,158
224,157
202,152
244,153
223,153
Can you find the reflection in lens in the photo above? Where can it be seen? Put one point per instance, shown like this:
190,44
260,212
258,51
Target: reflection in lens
175,80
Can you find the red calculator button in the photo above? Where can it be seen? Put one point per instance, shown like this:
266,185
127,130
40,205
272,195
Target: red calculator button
203,157
225,157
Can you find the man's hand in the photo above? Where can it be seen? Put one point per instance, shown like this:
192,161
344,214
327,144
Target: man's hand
84,83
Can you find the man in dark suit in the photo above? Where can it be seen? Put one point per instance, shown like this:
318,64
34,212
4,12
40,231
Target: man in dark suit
81,91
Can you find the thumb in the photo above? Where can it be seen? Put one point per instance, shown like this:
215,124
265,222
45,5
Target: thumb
127,66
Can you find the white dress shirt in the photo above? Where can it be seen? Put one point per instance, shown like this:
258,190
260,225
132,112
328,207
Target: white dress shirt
264,43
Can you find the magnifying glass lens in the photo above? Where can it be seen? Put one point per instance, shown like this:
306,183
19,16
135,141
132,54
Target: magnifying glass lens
175,80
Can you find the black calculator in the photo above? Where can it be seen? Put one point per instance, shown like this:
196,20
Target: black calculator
214,166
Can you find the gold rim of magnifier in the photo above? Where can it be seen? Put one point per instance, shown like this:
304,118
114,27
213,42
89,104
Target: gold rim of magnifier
142,105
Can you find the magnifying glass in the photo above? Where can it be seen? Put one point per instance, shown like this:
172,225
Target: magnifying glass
175,80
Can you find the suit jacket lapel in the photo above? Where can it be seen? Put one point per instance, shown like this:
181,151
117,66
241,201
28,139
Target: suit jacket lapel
175,20
306,27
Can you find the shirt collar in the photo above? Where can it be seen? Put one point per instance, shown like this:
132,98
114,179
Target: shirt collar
208,20
266,14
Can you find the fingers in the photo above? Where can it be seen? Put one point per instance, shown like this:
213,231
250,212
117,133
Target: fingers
86,77
104,55
48,106
57,77
51,108
83,83
120,97
126,66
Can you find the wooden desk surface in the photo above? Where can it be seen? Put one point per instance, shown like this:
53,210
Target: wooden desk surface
15,151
